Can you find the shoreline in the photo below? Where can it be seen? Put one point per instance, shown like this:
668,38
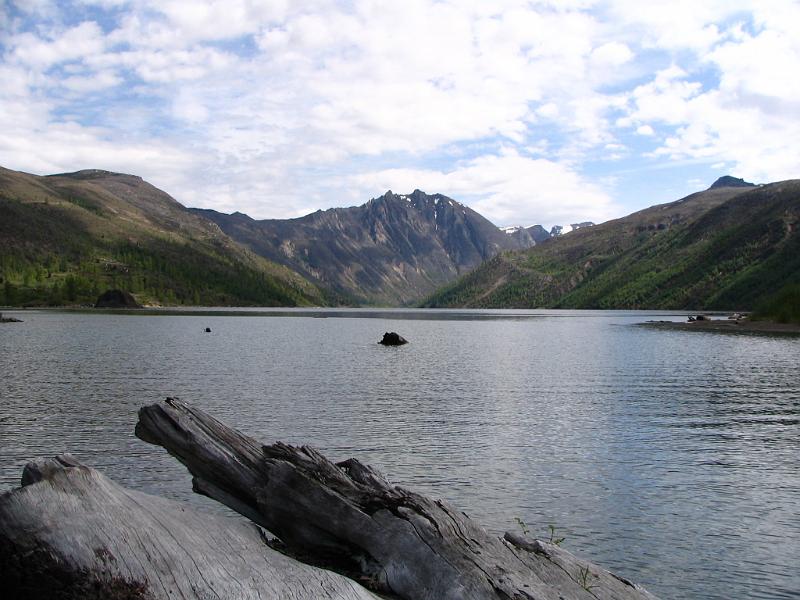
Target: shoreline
728,326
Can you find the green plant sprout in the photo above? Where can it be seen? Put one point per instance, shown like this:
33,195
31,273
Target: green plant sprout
553,539
522,526
583,579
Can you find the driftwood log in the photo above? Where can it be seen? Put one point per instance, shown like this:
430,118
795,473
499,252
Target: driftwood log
348,517
69,533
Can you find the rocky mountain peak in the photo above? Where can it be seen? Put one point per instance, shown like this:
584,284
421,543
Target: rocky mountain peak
562,229
394,249
728,181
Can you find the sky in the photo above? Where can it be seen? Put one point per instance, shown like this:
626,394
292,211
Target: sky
544,112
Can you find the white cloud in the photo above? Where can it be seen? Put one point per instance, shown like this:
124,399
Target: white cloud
72,147
97,81
678,24
507,188
275,108
104,3
611,54
759,64
749,120
31,50
218,19
664,98
41,8
188,107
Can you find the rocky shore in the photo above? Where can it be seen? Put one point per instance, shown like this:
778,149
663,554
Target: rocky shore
729,326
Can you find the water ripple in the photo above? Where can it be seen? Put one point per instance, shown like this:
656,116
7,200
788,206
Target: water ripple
668,457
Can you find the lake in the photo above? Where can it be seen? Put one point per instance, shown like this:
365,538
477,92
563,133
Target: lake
669,457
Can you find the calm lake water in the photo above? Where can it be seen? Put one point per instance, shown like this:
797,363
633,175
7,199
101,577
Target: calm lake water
670,457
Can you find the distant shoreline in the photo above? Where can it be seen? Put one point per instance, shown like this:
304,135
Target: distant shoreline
729,326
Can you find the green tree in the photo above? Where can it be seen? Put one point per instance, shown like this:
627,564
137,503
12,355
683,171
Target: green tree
71,288
56,295
9,293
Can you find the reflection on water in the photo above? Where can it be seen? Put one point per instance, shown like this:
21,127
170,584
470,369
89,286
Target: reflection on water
669,457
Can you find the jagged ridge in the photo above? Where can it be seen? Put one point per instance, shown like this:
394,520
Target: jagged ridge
392,250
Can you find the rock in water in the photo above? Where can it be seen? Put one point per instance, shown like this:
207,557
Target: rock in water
393,339
116,299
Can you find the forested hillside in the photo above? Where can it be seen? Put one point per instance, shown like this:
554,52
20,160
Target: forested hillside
725,248
66,238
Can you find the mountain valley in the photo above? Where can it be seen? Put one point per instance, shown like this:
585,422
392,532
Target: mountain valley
65,238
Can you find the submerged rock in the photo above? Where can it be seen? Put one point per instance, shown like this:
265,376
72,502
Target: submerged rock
393,339
116,299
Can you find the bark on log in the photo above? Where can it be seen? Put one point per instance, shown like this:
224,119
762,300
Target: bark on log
70,533
347,516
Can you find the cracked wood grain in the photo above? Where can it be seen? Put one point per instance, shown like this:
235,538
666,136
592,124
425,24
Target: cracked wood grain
70,533
348,517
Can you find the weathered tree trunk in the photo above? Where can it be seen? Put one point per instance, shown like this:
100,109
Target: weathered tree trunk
72,534
349,517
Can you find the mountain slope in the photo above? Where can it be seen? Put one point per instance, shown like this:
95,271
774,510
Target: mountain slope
65,238
392,250
723,248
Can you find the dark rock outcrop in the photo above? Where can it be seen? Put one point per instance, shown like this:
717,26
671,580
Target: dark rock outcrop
728,181
538,233
520,235
393,339
116,299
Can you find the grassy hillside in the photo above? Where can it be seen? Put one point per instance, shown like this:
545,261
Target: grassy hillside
66,238
725,248
782,307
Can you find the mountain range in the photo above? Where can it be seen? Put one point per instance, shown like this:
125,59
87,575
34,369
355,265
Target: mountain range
527,237
64,238
724,248
393,250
